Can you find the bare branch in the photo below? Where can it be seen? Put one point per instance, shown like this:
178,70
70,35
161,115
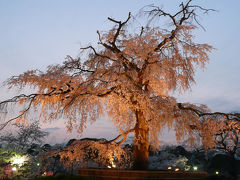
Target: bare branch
97,54
76,66
120,25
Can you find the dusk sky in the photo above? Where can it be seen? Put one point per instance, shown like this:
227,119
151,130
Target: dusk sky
35,34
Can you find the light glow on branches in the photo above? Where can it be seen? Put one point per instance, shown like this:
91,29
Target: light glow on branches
112,163
18,160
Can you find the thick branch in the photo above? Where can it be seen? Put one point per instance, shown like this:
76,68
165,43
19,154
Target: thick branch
229,116
124,135
113,47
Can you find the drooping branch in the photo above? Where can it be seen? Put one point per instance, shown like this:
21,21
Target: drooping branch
227,134
228,139
53,92
3,125
17,98
30,98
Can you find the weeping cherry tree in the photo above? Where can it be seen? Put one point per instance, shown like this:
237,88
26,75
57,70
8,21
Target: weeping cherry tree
130,76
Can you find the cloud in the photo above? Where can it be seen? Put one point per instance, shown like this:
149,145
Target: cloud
51,129
217,99
223,104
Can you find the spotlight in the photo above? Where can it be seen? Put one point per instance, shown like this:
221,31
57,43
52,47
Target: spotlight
195,168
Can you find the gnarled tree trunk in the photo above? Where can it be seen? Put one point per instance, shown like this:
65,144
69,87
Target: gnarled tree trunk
141,143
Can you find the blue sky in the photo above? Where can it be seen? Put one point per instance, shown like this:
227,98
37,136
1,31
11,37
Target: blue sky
38,33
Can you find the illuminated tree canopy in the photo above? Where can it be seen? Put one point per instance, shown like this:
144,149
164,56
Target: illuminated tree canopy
130,76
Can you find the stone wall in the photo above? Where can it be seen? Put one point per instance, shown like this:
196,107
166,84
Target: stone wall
110,174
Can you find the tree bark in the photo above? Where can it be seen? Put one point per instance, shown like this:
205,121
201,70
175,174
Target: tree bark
141,143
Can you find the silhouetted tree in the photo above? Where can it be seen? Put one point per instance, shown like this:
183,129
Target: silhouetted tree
24,136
